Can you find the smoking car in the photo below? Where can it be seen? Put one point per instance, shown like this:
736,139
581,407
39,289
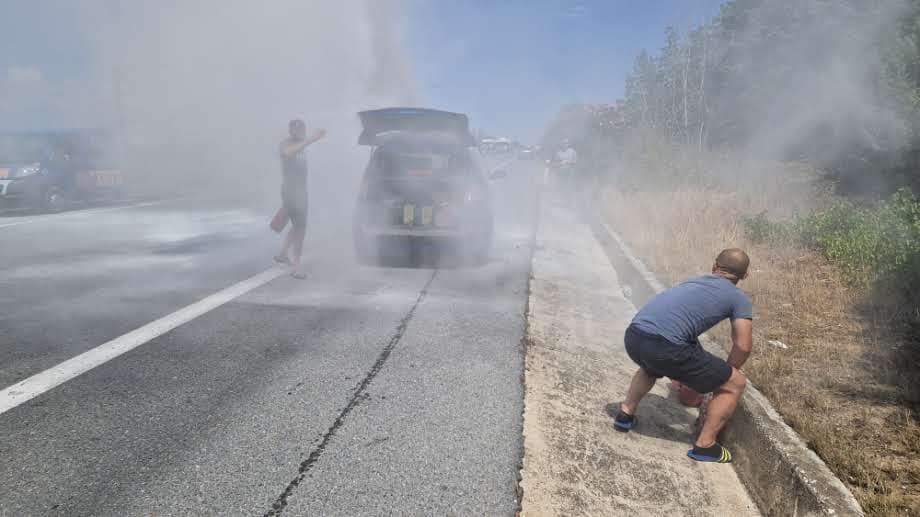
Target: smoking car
423,181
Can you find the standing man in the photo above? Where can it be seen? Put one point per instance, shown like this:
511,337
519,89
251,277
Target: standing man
663,340
567,157
568,161
294,191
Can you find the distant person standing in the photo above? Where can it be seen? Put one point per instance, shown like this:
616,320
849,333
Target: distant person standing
567,157
294,191
663,341
567,160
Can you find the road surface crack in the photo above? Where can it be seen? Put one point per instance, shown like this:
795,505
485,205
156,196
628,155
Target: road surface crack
356,397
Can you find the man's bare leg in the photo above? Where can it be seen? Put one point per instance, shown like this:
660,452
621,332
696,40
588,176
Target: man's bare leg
641,384
723,404
297,236
286,244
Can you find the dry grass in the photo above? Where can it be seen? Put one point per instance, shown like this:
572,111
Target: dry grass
837,384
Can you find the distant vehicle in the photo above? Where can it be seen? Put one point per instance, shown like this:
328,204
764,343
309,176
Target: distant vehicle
51,169
423,181
497,146
527,152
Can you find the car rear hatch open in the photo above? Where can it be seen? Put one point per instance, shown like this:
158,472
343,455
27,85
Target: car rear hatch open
380,123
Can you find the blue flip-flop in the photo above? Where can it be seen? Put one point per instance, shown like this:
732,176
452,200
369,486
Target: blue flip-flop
723,456
624,423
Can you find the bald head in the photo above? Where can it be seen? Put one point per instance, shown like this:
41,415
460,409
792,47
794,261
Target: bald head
733,263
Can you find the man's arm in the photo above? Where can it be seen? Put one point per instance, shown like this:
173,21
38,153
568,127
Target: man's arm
742,341
289,148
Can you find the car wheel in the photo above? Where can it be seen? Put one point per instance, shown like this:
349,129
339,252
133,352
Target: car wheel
52,199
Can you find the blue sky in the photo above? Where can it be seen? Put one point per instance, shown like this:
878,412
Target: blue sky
509,64
42,34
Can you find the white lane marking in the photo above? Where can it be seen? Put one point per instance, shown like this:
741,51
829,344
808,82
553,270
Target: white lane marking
80,212
39,383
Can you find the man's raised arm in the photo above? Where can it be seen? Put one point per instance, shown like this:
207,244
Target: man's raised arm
289,148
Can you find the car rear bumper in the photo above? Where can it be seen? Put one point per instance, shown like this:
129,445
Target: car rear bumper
470,221
435,233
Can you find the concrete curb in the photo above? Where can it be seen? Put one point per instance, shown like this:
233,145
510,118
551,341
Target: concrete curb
574,463
783,476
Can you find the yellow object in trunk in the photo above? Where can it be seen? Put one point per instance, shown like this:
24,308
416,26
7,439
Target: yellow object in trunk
408,215
427,215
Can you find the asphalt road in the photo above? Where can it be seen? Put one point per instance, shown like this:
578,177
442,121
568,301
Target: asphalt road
359,391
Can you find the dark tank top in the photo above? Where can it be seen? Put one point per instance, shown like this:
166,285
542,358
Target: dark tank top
294,172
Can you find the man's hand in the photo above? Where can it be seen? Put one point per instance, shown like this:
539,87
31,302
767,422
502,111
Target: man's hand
319,134
742,342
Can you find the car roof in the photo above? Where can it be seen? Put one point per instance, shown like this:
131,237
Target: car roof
378,124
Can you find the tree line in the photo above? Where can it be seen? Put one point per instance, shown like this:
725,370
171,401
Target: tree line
832,82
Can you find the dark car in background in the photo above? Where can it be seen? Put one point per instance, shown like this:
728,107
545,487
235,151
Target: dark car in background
423,182
51,169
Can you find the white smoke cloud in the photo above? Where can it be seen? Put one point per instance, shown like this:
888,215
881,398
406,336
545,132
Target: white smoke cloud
832,69
214,83
29,100
200,93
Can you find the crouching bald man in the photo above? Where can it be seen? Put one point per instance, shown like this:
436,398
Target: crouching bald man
663,340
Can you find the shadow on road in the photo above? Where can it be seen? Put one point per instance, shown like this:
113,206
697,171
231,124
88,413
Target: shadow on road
661,417
427,255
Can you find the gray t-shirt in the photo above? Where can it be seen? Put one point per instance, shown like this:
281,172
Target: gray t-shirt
683,312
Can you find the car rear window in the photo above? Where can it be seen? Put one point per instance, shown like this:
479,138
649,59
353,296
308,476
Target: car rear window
416,164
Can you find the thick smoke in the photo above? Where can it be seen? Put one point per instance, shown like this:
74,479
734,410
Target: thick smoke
202,91
812,92
28,96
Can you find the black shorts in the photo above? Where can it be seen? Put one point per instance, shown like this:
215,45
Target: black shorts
296,207
689,364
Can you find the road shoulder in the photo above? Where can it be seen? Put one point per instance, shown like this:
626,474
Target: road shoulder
574,463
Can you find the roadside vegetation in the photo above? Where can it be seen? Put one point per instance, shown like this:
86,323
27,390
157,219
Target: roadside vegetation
791,129
847,380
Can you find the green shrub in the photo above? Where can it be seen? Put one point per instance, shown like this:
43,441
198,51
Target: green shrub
871,243
759,229
876,246
847,234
